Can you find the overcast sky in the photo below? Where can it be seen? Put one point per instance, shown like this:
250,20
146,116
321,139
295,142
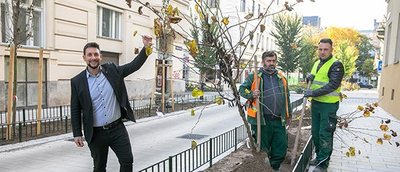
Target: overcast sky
357,14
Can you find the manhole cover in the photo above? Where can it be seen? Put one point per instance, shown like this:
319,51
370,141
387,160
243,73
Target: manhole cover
193,136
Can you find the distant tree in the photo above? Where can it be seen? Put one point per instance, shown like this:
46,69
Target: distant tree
287,36
308,54
338,34
364,48
367,67
205,59
347,54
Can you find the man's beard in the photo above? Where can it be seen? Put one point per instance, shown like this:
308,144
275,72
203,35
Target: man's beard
270,68
92,66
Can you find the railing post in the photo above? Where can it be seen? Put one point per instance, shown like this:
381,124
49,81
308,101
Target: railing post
19,132
236,138
23,116
150,107
61,113
66,124
211,157
170,163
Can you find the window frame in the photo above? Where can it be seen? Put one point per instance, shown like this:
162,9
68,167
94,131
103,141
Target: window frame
26,81
115,31
29,21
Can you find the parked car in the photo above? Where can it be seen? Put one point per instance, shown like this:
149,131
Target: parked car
365,85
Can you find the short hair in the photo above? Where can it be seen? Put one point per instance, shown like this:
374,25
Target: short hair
268,54
326,40
90,45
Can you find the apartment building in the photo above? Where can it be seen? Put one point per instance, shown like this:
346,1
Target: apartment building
389,88
63,27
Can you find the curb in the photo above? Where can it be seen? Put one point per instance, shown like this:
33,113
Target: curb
41,141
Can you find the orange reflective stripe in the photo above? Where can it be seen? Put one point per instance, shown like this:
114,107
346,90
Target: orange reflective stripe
250,111
284,81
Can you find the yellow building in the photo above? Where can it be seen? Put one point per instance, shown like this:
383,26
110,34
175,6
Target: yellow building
389,89
62,28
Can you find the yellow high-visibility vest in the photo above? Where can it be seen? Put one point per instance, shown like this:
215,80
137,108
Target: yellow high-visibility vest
321,79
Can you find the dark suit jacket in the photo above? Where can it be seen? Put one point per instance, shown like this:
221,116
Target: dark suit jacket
81,103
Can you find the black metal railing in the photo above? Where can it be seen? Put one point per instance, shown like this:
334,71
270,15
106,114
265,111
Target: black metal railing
304,157
192,159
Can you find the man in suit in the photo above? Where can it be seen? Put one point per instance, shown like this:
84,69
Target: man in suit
99,100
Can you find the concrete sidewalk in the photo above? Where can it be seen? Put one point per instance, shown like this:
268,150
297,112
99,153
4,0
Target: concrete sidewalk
362,134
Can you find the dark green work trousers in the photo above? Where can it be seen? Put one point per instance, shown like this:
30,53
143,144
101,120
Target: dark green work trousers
324,121
273,141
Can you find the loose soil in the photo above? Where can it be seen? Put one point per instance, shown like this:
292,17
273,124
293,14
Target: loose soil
243,160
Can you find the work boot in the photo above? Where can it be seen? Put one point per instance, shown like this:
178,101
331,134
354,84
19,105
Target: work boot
314,162
319,169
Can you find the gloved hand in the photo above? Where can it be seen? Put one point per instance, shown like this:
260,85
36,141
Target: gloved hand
310,77
308,93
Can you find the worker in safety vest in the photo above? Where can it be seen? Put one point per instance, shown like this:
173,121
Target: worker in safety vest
275,110
326,77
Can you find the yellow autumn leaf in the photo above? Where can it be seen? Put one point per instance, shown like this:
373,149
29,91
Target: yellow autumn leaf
170,10
352,151
192,46
194,145
386,136
360,108
196,8
348,154
247,91
192,113
176,11
197,93
134,33
225,20
149,50
366,113
379,141
375,104
219,100
384,127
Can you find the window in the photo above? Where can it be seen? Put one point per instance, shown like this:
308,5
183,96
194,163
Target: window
27,80
387,45
383,91
262,43
392,96
259,9
242,5
253,8
108,23
397,49
213,3
30,28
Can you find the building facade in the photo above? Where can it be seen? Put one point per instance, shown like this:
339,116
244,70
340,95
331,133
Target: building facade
389,88
62,28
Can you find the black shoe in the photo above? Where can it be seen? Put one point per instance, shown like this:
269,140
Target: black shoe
320,169
314,162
